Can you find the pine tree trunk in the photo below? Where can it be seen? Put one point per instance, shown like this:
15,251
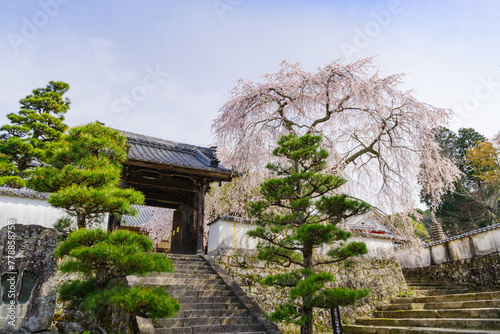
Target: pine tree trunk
80,220
307,312
307,327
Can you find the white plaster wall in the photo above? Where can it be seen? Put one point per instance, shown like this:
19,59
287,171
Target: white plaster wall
486,242
34,211
496,236
213,239
460,249
228,237
413,257
439,253
377,247
26,210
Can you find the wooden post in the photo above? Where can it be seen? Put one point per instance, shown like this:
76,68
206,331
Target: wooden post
336,321
187,217
200,222
175,241
113,223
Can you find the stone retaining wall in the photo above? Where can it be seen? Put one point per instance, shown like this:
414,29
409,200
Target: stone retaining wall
481,272
382,276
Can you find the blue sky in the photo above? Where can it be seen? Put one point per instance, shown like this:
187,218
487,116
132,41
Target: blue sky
164,68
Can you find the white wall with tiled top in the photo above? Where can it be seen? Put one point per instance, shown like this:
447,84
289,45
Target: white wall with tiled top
229,237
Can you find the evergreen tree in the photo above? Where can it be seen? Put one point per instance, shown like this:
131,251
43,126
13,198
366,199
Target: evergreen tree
39,122
8,173
461,210
83,173
484,158
105,259
299,214
423,228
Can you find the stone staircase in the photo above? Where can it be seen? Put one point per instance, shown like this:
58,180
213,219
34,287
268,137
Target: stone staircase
207,304
435,308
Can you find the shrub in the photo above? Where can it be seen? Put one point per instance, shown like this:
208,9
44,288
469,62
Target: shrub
105,259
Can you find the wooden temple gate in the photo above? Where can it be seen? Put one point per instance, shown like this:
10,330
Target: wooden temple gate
176,176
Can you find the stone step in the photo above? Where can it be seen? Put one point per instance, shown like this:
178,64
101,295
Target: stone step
201,264
190,275
208,321
211,329
207,300
194,272
167,280
191,267
434,308
442,305
199,293
170,287
354,329
418,280
438,292
493,303
210,306
469,313
444,323
184,257
450,298
211,313
188,330
424,284
433,287
207,304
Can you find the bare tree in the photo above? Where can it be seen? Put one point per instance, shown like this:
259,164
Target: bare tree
378,135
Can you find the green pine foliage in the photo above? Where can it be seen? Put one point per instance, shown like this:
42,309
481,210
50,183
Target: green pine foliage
105,259
83,172
8,172
299,214
39,122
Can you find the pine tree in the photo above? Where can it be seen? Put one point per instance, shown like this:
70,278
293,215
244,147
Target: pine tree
39,122
8,173
105,259
299,214
83,173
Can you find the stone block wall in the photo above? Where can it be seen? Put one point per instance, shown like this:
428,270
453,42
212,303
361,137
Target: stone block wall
480,272
382,276
27,275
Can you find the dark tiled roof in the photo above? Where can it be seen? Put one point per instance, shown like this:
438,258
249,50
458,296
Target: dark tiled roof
150,149
23,193
144,214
